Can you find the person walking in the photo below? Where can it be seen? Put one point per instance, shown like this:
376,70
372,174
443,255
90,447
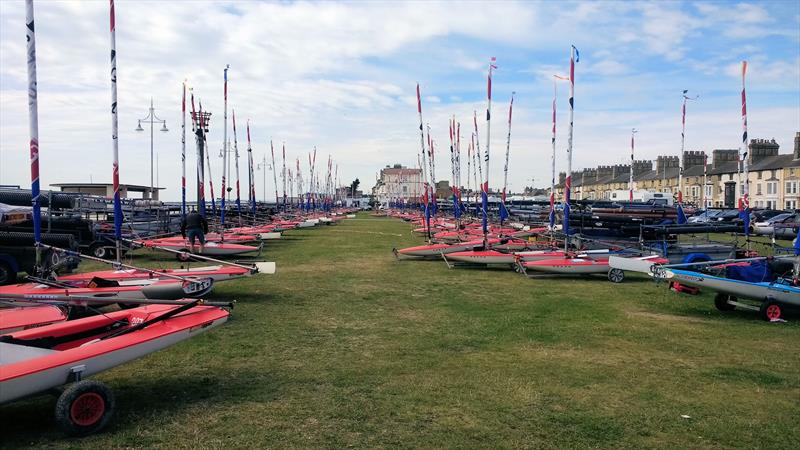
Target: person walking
195,227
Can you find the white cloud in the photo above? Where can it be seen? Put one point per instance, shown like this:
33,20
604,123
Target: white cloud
341,76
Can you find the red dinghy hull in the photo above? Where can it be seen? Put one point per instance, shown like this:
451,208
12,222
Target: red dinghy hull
156,289
18,318
210,249
30,366
571,266
216,273
482,257
436,250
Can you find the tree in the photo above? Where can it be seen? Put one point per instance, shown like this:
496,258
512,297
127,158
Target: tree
354,186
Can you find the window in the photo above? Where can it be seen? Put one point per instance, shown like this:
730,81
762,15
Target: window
771,204
758,188
709,190
405,189
772,188
695,191
791,188
791,204
759,174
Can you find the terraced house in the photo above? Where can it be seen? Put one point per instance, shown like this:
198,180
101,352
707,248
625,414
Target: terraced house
716,179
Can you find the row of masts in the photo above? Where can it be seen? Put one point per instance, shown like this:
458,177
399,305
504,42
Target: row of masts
319,193
474,154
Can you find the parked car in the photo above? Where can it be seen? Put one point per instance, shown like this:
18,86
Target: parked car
704,216
766,227
762,215
786,228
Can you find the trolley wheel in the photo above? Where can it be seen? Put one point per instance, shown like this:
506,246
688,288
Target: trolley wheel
99,251
616,275
84,408
771,310
721,302
7,274
184,255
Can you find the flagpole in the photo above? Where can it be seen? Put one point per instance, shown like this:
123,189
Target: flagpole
114,135
33,125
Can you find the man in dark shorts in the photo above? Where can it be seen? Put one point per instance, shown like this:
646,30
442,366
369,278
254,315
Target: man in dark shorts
194,226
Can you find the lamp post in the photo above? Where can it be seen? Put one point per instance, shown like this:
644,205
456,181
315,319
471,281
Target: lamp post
153,119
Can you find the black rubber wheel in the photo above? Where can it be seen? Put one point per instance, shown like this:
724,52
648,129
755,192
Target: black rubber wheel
184,255
7,275
99,251
721,302
84,408
616,275
771,310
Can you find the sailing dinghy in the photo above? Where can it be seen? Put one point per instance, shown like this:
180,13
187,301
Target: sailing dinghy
40,359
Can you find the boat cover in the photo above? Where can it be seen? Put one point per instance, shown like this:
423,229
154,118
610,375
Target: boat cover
755,272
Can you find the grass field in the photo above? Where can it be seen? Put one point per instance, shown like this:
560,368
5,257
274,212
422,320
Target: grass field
347,347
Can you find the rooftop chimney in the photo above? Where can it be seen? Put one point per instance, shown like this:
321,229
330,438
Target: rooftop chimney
721,157
693,158
762,148
663,162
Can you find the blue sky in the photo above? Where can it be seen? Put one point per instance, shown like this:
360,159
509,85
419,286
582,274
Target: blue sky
341,76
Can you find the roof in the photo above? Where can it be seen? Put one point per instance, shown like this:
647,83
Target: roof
403,171
130,187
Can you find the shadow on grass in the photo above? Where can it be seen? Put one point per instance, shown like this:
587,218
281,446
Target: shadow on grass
145,401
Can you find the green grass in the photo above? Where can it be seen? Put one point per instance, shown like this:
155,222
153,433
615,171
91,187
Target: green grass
347,347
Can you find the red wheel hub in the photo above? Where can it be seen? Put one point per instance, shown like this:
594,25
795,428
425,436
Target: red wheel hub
773,312
87,409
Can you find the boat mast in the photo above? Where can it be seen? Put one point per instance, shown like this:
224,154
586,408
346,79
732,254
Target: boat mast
114,134
705,183
183,152
225,147
236,165
681,214
251,174
745,164
630,179
274,175
553,160
424,171
503,210
573,58
33,124
210,176
476,166
432,163
283,177
485,187
478,161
